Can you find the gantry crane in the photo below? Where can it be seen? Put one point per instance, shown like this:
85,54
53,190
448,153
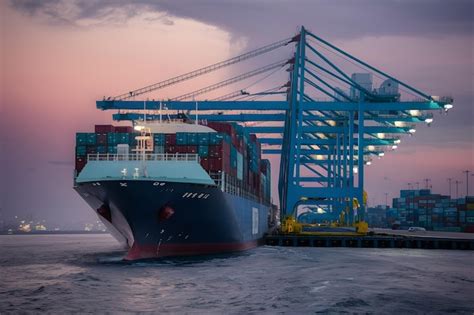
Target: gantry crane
323,145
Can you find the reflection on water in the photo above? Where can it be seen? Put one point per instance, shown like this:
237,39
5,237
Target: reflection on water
86,273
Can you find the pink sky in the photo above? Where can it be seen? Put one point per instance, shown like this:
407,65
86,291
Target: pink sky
53,73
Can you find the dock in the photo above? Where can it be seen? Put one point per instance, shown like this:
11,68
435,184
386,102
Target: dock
380,240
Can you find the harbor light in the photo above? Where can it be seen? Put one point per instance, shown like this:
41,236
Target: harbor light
415,112
139,127
428,120
368,163
394,147
381,154
448,107
412,131
355,169
397,141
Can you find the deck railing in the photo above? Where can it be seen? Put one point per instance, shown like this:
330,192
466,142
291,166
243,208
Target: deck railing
140,157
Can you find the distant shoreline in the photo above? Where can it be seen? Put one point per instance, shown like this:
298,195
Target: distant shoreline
51,232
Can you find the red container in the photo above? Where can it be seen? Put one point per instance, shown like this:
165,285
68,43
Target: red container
124,129
91,149
215,164
80,163
170,139
104,128
205,163
181,149
101,138
222,127
170,149
192,149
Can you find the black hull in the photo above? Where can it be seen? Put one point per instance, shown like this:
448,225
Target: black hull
156,219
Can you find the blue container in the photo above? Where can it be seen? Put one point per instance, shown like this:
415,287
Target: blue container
101,149
81,138
112,150
215,138
182,138
193,138
81,150
91,139
203,151
122,138
203,138
159,139
111,139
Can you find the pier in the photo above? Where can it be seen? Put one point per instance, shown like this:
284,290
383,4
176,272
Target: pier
397,239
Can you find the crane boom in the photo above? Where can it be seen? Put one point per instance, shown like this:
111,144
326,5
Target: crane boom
205,70
231,80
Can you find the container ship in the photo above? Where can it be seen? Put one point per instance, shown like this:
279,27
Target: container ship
176,188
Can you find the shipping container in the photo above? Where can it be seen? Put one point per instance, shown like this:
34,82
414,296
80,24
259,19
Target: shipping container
104,129
101,138
81,150
193,138
170,139
203,138
159,139
81,138
204,163
124,129
91,139
181,138
203,151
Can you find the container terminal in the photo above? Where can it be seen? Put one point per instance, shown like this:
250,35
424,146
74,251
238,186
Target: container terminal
330,117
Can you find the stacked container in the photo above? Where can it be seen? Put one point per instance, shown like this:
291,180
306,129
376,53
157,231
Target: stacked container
104,140
230,153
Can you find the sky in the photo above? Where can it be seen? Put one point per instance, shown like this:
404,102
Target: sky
58,57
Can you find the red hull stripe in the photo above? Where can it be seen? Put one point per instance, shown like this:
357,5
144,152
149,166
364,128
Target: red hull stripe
154,251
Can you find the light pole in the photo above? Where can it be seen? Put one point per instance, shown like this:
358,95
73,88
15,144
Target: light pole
467,182
449,182
457,182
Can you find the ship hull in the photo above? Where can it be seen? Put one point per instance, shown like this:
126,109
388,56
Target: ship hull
162,219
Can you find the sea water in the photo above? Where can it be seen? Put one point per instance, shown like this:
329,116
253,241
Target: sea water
85,274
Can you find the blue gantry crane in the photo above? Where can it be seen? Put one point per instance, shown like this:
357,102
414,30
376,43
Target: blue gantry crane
326,127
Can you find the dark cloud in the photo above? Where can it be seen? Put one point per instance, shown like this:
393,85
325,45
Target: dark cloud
274,19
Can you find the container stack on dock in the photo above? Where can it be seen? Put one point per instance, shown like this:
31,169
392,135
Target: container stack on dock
434,211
